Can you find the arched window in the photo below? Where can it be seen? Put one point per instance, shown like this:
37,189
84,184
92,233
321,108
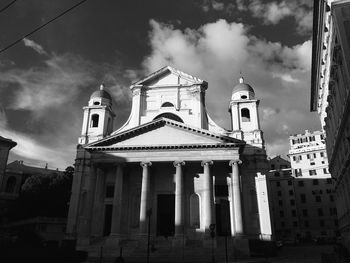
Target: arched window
94,120
194,211
167,104
245,115
96,103
10,184
169,116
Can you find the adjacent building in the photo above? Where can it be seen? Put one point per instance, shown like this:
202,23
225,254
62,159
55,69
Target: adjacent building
330,85
171,166
302,191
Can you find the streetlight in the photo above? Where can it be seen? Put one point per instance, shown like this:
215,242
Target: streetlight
212,234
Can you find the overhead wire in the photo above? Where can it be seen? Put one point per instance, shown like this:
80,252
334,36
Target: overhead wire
7,6
43,25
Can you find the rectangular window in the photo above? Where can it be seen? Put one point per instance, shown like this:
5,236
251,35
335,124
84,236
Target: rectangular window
291,192
318,198
305,212
315,181
303,198
294,158
312,172
295,223
331,198
320,212
312,163
300,157
321,223
335,222
283,224
329,181
278,183
322,154
281,214
306,223
301,183
292,202
325,171
280,202
289,182
279,193
109,191
314,155
308,156
294,213
272,167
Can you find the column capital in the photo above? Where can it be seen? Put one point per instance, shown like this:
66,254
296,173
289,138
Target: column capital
145,164
178,163
207,162
232,162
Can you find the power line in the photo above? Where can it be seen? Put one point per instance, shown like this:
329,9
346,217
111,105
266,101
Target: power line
40,27
7,6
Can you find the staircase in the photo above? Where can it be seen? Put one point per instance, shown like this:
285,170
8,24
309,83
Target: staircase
164,251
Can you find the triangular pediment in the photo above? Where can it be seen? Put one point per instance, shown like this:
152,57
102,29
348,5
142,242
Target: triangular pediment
169,76
163,133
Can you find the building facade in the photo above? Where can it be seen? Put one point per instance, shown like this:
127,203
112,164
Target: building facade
169,166
330,84
302,192
313,186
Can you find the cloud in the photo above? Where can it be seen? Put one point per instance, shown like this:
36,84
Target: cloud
274,12
271,12
31,149
35,46
46,104
218,51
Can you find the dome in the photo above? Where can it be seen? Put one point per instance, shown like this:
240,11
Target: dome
242,87
101,93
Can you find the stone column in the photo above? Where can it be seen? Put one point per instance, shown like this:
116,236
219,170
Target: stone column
97,216
90,194
208,196
236,198
145,196
179,199
116,226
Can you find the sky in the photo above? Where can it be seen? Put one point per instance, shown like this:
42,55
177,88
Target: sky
47,78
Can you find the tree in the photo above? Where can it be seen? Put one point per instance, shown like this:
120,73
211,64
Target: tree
45,195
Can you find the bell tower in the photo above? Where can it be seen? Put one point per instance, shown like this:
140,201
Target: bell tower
98,117
244,114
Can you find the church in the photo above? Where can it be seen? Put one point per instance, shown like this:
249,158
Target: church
169,172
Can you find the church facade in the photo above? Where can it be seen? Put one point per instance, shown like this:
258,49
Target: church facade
170,169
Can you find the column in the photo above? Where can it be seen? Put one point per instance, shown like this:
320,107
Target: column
208,196
90,194
98,204
116,226
236,198
145,196
179,199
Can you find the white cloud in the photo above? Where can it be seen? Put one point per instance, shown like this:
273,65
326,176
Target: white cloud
218,51
38,48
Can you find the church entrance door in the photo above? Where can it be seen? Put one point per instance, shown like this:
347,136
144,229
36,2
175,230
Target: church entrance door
166,215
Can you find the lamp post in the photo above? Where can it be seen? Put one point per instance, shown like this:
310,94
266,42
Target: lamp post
148,213
212,234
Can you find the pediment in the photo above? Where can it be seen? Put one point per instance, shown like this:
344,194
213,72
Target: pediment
164,133
169,76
